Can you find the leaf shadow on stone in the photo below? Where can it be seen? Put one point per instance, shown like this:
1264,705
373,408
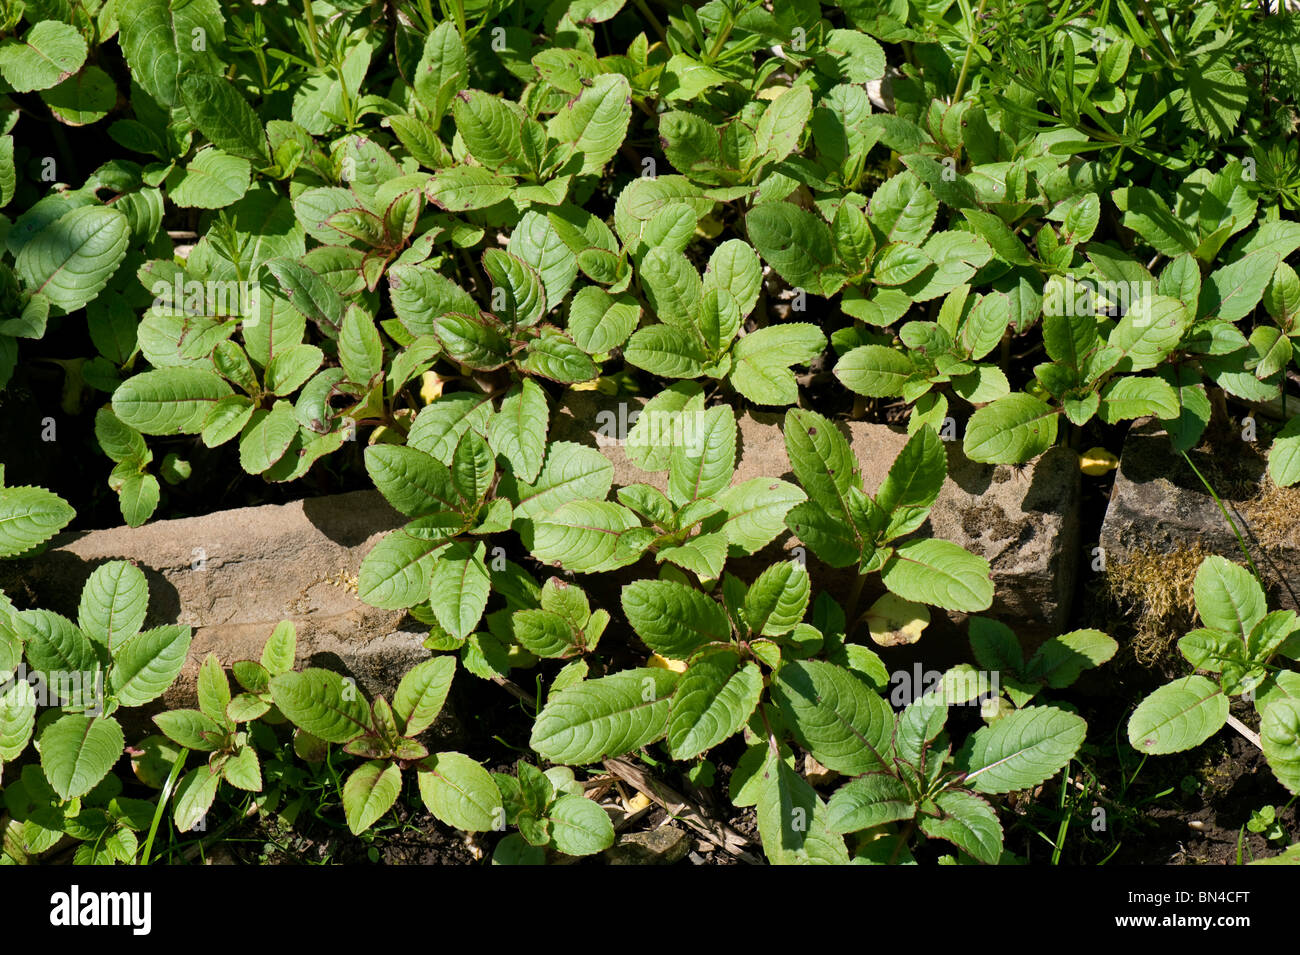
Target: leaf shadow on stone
54,580
351,519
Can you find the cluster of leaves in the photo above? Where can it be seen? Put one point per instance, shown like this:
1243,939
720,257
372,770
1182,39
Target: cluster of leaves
1245,648
416,233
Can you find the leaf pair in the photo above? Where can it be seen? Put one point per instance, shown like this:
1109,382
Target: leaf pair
843,525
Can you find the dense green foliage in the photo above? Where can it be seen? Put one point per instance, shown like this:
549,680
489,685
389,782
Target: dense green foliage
414,228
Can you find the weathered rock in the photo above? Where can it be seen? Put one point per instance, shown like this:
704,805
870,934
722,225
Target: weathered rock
234,574
666,845
1024,521
1158,505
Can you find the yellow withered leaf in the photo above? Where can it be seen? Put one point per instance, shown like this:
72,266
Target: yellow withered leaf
430,386
663,663
895,622
1097,461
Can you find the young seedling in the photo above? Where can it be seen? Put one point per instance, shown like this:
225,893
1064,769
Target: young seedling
454,787
845,526
1240,645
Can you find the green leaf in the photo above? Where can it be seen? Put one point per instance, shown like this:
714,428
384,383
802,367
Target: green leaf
874,370
159,38
582,536
361,353
494,131
1061,659
1147,214
369,792
267,437
1136,396
1214,94
941,573
421,694
472,340
536,241
579,826
280,649
8,175
194,797
462,188
169,400
78,751
705,460
1178,716
543,633
289,368
713,700
571,472
898,263
189,728
674,620
54,644
1279,735
672,287
442,70
857,57
518,430
916,477
662,425
969,823
146,664
1010,431
17,719
604,717
321,703
903,209
999,236
795,243
72,258
1232,291
553,355
1228,597
460,792
213,690
596,121
1023,749
244,770
820,457
46,55
211,180
1149,331
472,470
310,293
792,819
762,360
1284,456
30,516
137,493
666,351
412,481
224,116
756,511
460,588
834,716
600,322
776,601
869,801
778,130
735,268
